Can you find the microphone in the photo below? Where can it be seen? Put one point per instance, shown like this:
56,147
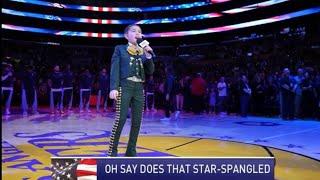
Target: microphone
144,43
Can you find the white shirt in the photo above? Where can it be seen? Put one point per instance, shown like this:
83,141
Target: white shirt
222,92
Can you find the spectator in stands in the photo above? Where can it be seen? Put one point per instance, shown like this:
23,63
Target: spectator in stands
179,87
86,81
198,90
7,80
245,93
298,93
68,80
169,93
150,94
222,96
308,96
55,83
287,93
103,89
29,90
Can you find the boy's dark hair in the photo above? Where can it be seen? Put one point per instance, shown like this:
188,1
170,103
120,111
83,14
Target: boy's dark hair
128,27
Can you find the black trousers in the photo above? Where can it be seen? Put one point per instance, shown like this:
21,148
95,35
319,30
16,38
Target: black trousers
150,99
168,106
67,96
259,99
30,96
221,105
198,104
130,93
287,106
57,98
244,105
85,96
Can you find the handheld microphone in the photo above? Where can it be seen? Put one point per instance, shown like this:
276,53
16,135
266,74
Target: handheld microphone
144,43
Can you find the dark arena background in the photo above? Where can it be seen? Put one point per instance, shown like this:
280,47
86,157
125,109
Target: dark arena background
223,63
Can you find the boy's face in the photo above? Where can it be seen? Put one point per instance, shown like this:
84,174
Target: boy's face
133,34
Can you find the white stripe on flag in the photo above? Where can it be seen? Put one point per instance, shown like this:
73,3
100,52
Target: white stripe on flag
87,177
83,167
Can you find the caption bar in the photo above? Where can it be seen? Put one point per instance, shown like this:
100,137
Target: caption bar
169,168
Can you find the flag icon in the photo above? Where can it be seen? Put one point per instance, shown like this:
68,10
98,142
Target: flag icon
74,169
87,169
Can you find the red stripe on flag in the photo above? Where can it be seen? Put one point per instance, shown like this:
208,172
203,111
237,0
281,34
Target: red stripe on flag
85,173
89,161
99,21
89,34
100,9
90,8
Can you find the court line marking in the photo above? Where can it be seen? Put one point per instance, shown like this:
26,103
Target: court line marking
184,144
268,151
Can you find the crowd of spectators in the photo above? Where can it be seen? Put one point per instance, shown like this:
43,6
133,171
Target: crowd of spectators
265,77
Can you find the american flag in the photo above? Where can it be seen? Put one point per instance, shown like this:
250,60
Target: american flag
74,169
